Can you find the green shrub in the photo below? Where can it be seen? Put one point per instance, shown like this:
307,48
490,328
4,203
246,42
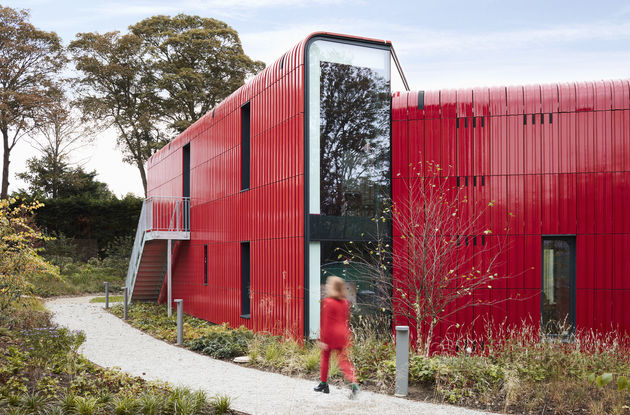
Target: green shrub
222,343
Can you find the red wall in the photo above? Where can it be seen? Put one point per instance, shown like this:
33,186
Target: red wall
570,176
270,214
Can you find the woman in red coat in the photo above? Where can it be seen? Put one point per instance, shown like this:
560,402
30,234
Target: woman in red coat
335,334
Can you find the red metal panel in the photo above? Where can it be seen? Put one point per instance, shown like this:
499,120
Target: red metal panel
515,144
602,217
566,94
586,207
620,315
584,309
621,262
400,149
567,146
620,140
481,102
549,98
432,144
559,204
464,103
585,265
533,143
497,188
515,275
602,155
515,100
464,127
481,146
603,262
448,103
431,104
498,101
603,95
585,96
533,204
532,99
516,204
621,202
448,146
415,163
620,94
481,132
602,315
498,145
532,262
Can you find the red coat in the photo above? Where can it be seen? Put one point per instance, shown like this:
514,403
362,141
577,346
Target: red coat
335,328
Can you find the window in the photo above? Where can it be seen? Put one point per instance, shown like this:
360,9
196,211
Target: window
558,285
245,283
205,265
245,146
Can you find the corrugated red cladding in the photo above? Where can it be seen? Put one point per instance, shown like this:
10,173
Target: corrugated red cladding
555,160
269,214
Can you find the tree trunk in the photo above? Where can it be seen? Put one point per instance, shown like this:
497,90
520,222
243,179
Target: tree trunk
5,165
143,175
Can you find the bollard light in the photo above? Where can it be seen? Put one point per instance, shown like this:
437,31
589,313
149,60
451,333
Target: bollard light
106,295
124,303
402,360
180,321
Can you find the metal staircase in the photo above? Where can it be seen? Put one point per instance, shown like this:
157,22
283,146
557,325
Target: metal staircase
163,220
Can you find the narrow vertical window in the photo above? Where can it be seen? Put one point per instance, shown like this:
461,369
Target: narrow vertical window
245,282
245,141
205,265
558,285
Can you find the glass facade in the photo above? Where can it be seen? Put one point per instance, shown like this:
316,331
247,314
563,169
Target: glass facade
349,163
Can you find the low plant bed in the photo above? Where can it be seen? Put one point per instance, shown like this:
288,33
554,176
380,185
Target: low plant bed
42,373
514,373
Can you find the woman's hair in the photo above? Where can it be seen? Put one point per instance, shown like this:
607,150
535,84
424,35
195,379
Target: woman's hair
338,285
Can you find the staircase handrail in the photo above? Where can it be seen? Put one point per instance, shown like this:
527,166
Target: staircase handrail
138,245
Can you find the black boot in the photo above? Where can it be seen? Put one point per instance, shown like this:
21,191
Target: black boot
354,391
322,387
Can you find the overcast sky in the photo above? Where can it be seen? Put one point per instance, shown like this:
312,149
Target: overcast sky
441,44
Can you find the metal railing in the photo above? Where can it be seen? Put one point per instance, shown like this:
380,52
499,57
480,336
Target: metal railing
168,214
158,214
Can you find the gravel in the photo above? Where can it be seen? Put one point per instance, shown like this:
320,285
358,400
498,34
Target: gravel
110,342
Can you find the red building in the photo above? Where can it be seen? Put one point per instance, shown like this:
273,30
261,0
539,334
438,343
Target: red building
248,206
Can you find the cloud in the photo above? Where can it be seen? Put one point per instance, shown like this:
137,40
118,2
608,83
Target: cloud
217,7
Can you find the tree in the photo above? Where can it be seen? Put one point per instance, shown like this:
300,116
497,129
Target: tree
196,63
116,88
49,178
59,133
29,60
167,71
436,273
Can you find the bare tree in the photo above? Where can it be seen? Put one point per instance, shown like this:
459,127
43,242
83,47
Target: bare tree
57,136
432,272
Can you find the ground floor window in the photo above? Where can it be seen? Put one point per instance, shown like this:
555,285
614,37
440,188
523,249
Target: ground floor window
558,284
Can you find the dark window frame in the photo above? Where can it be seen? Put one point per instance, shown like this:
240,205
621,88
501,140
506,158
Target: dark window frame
245,280
205,264
245,146
572,241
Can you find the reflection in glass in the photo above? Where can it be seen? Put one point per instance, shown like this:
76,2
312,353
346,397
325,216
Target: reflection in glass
354,140
557,290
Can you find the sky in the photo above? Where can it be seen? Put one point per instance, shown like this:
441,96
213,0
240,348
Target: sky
441,44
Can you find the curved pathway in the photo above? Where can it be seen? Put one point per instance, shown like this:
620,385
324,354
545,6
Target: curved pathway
110,342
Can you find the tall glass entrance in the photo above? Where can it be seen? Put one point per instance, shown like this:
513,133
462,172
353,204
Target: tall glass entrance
348,148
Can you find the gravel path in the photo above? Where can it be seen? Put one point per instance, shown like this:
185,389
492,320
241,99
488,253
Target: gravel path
111,342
